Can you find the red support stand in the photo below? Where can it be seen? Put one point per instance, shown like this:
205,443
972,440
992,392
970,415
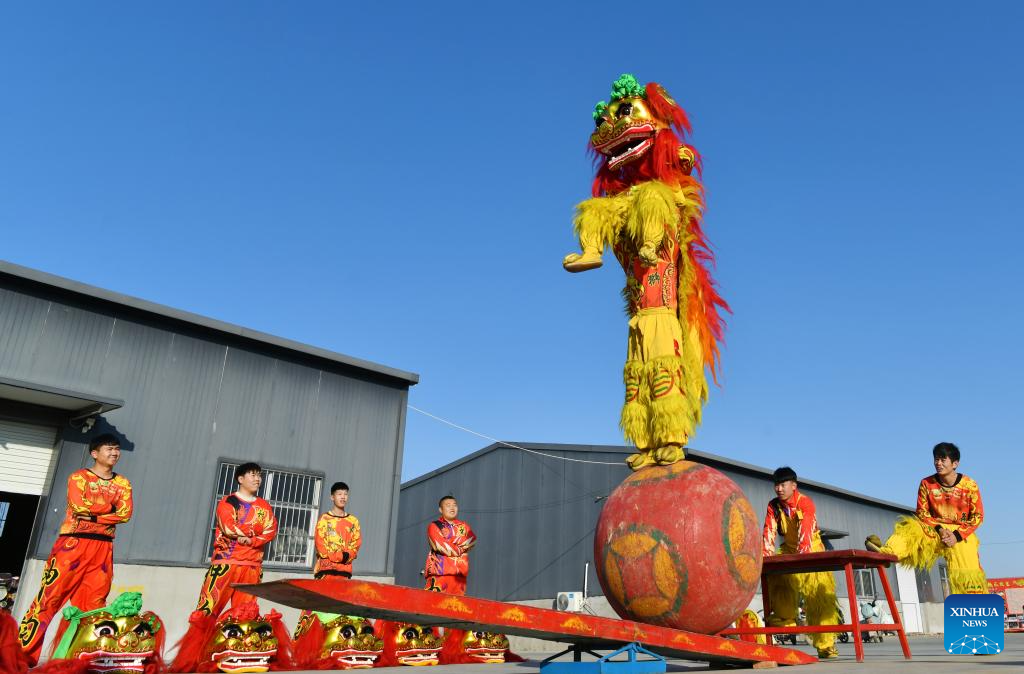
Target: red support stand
832,560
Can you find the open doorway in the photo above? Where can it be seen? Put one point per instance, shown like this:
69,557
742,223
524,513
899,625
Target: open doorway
17,512
27,457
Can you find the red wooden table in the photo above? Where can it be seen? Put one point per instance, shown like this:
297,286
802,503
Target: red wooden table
832,560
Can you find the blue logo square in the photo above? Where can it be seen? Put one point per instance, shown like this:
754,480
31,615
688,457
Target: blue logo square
973,624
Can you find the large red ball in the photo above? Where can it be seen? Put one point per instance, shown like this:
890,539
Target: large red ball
678,546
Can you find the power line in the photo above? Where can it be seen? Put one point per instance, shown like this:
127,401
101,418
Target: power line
509,444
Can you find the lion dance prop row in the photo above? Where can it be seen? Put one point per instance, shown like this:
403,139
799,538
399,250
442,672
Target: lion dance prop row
647,206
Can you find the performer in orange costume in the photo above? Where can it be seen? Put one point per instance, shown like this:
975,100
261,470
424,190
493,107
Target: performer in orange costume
81,563
245,524
337,537
450,542
949,510
792,515
337,540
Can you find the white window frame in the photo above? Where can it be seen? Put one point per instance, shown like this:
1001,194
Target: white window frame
859,584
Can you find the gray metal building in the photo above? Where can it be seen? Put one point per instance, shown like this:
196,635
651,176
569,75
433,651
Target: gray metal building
534,513
190,398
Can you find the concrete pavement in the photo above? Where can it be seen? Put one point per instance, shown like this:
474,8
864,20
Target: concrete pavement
929,658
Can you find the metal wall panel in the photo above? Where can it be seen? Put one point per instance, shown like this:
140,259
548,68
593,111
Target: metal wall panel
172,464
71,347
535,517
194,396
357,426
22,318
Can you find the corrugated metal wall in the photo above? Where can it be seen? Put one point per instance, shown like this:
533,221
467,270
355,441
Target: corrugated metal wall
535,517
193,396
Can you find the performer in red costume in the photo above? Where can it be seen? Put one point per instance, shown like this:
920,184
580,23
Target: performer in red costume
450,541
81,563
245,524
337,537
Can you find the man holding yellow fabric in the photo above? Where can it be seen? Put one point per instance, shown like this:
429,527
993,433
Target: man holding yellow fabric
949,510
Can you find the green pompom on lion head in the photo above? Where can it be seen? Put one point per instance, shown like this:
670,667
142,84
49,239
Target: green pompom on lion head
126,604
599,110
627,86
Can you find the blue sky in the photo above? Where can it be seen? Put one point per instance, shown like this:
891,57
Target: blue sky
396,182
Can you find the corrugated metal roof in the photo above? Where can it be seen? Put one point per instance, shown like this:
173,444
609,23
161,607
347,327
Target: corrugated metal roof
165,312
622,451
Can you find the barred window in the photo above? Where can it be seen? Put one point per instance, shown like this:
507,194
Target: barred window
864,583
944,579
295,498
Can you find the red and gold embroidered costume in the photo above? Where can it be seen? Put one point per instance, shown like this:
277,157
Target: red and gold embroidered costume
447,565
81,564
234,561
337,541
796,521
958,508
647,207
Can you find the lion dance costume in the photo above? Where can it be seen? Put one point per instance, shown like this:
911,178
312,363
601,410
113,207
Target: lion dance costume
332,641
915,540
117,639
240,640
795,520
647,206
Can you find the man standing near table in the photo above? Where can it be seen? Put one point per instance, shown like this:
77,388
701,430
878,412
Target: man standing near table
792,515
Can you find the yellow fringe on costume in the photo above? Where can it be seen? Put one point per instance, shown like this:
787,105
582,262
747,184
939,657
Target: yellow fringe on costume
819,592
635,418
644,216
914,545
919,547
964,581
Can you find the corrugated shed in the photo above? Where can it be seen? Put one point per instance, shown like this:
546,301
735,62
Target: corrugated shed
535,516
194,396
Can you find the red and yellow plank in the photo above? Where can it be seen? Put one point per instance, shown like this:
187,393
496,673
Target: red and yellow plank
392,602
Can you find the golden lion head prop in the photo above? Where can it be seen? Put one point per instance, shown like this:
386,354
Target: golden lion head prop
116,639
240,641
331,641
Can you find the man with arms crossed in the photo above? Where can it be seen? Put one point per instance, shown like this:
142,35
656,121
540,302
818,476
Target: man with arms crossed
450,541
337,537
81,563
245,524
